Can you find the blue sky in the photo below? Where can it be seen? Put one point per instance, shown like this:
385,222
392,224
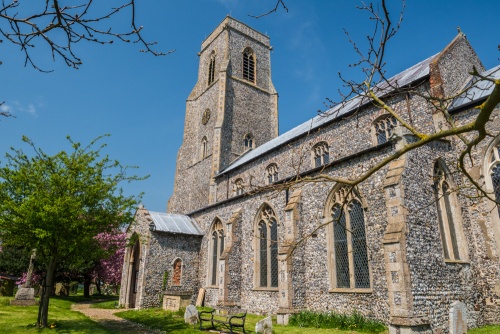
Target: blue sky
140,99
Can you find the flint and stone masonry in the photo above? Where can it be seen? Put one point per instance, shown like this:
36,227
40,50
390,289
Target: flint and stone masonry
410,281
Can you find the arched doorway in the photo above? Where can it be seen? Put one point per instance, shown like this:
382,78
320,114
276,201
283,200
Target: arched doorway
134,274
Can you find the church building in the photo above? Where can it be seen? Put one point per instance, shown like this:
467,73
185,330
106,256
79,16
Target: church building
408,246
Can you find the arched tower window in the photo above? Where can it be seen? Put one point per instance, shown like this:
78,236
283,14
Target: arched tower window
347,249
320,154
249,65
211,68
383,128
216,249
449,215
204,148
272,173
266,246
248,141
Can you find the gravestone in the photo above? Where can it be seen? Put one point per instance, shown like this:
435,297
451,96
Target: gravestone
191,315
25,295
264,326
458,318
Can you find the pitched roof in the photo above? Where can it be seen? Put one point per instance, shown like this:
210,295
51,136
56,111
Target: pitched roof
480,89
408,76
174,223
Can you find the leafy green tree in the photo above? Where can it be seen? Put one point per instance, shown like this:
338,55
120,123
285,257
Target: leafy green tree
58,204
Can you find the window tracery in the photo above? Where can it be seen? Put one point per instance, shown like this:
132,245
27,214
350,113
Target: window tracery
384,128
211,68
321,154
248,141
348,249
249,65
449,216
266,269
272,173
216,249
239,187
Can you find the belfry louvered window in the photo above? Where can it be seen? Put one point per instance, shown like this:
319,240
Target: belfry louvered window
267,249
449,215
384,128
249,65
211,68
348,246
217,247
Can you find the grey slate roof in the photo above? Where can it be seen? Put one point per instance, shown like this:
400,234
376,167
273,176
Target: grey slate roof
479,90
174,223
402,79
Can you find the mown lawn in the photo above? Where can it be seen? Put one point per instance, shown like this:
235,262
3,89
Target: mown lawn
18,319
173,322
22,319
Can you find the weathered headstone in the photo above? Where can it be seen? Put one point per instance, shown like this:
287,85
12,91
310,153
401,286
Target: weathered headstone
201,296
264,326
25,295
191,315
458,318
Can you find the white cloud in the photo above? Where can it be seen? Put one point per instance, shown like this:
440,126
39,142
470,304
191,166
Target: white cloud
15,107
5,109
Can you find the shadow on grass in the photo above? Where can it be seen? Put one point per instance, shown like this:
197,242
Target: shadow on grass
93,298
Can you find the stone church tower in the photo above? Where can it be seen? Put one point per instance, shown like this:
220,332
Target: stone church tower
233,108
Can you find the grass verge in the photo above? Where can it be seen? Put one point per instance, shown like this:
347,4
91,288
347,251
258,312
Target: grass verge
22,319
353,321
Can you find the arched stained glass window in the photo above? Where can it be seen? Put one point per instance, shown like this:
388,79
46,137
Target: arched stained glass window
449,215
216,249
348,248
267,248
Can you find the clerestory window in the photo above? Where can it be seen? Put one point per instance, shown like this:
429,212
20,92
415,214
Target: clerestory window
384,128
239,187
321,154
348,251
249,65
272,173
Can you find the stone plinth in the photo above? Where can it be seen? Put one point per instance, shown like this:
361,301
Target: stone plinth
174,300
24,297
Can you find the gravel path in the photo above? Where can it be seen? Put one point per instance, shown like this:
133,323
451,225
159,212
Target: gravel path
108,319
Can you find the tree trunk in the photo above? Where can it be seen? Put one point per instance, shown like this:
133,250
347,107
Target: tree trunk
47,284
86,286
98,286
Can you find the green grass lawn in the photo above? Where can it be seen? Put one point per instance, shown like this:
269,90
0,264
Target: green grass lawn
22,319
173,322
18,319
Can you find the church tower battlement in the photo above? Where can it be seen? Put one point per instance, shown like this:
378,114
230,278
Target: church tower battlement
233,108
